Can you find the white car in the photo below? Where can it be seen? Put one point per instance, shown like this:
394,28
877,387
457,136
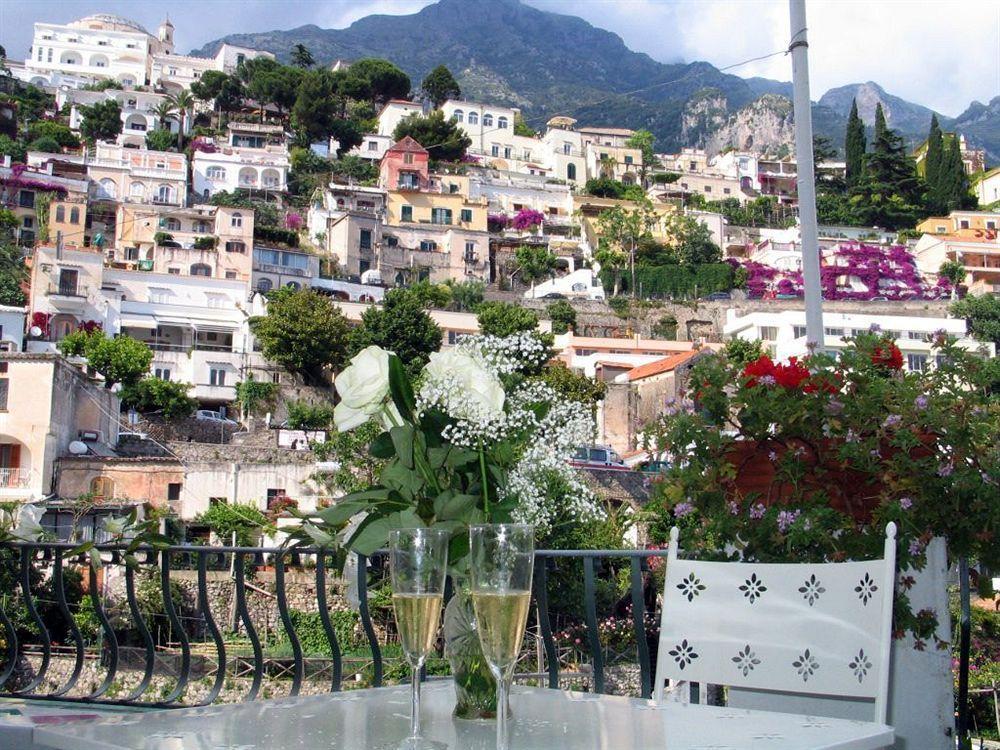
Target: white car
207,415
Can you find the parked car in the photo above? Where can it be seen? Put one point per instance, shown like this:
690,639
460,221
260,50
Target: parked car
207,415
554,295
597,456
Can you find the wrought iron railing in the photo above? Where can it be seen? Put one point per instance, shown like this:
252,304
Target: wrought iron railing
24,563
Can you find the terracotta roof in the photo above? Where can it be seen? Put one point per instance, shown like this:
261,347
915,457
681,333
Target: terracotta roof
661,365
407,144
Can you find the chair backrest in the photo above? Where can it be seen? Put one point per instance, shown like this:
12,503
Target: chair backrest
821,629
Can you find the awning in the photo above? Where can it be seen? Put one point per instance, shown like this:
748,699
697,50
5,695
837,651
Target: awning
214,327
138,320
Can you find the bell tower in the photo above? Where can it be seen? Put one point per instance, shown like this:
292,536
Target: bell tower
166,36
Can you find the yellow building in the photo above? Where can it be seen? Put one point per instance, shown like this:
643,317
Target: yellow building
589,209
966,224
438,208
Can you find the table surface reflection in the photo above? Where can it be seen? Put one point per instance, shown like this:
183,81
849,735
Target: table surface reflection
378,719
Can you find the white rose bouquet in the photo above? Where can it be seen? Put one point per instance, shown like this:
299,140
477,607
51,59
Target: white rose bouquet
469,440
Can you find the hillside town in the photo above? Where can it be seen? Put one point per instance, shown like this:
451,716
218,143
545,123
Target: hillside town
195,249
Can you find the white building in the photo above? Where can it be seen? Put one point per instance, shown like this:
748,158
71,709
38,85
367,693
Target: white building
491,130
784,333
372,147
987,187
138,112
11,328
394,112
565,151
254,157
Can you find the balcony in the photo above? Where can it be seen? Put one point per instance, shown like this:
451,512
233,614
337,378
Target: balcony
12,478
66,297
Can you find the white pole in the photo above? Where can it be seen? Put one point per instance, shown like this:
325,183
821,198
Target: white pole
806,178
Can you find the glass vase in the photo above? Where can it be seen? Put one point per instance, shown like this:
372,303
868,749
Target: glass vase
475,688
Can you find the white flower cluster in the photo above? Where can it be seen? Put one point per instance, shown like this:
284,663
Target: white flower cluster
519,352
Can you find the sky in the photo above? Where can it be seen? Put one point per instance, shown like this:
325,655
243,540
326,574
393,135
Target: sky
940,53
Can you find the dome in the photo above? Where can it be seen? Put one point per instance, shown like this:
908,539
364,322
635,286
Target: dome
108,22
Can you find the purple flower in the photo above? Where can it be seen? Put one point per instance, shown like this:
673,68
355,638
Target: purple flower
768,380
683,509
905,503
916,547
920,402
772,456
874,328
734,508
945,470
757,511
834,407
851,436
786,518
892,420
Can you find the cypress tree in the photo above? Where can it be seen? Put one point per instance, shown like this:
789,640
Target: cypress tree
889,192
880,126
934,156
954,183
854,145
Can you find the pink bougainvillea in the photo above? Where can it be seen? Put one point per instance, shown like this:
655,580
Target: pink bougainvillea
293,221
527,218
497,222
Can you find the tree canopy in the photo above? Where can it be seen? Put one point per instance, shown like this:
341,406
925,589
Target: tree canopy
122,359
101,121
302,57
442,138
855,145
440,86
374,78
504,319
982,316
400,325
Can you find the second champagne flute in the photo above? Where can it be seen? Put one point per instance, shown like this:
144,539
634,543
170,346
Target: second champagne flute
501,563
418,562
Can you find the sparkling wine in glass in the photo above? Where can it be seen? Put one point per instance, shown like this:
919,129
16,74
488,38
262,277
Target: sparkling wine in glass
500,566
418,561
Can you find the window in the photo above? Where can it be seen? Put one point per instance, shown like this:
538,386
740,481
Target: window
373,145
440,216
174,491
915,335
365,239
4,389
833,331
293,285
467,215
506,152
216,173
799,331
567,148
769,333
487,121
276,378
273,496
102,488
236,220
406,213
164,194
163,373
964,224
48,55
628,159
235,246
201,269
726,191
60,214
991,225
39,54
407,158
428,246
470,252
604,155
216,376
173,225
473,118
409,181
174,271
708,188
571,171
692,166
26,199
74,215
458,115
264,285
502,123
495,149
28,222
916,362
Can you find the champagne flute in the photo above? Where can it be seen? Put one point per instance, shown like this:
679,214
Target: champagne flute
418,561
501,564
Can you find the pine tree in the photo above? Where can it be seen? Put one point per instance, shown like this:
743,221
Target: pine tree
855,145
935,154
954,182
880,126
889,194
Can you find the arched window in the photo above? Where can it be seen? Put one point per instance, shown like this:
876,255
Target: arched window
99,61
293,285
502,123
137,190
236,220
235,246
571,171
201,227
473,118
164,194
487,121
74,215
264,285
107,189
60,213
458,115
102,488
216,173
173,225
201,269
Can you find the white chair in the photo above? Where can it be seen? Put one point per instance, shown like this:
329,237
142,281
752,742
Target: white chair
821,629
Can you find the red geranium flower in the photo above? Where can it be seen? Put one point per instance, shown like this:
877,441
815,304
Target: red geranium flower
888,356
757,369
792,375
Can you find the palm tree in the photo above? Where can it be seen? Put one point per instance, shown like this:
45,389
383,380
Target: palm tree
164,112
608,164
183,102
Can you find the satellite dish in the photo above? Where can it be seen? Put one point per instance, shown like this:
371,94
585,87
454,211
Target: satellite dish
34,332
78,448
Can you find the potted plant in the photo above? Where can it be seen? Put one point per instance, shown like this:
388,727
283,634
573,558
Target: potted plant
475,438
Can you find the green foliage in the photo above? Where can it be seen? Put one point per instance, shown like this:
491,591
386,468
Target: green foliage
982,316
104,85
535,262
374,78
933,162
266,214
287,237
855,145
159,238
953,271
440,86
466,295
317,105
252,395
743,351
400,326
691,241
889,194
645,142
159,140
277,85
665,328
522,128
303,415
302,57
355,168
678,282
226,90
168,397
572,385
432,296
312,636
443,139
58,132
504,319
563,316
207,242
225,519
101,121
303,332
604,187
122,359
763,211
14,149
46,145
12,269
356,468
665,178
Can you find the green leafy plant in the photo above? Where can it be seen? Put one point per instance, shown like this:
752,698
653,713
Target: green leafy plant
119,360
168,397
563,316
224,520
303,415
252,395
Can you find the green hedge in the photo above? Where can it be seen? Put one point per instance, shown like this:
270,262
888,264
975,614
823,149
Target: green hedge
274,234
680,281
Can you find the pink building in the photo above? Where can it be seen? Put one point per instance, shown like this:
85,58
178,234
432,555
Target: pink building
404,166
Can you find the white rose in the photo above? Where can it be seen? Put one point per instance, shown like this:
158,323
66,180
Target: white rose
483,389
363,387
29,527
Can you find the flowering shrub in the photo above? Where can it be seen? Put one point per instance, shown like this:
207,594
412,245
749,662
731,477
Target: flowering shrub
497,222
293,221
527,219
808,460
471,440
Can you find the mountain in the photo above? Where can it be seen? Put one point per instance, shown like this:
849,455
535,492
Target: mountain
979,124
546,64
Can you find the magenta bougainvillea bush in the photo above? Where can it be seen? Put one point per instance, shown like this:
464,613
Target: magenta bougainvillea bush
497,222
527,218
293,221
851,271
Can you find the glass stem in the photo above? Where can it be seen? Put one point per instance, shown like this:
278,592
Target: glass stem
415,701
502,739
